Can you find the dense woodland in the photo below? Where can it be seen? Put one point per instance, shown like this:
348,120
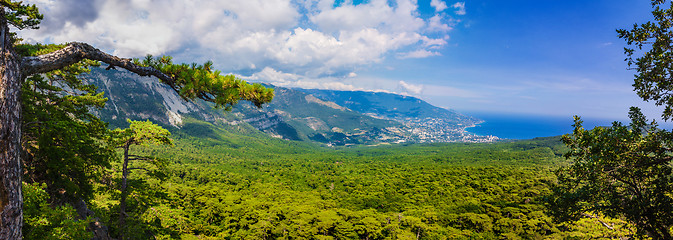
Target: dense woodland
233,182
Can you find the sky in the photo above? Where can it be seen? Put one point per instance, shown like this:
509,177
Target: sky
542,57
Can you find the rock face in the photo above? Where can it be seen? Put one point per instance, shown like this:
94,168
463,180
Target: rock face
131,96
302,115
99,230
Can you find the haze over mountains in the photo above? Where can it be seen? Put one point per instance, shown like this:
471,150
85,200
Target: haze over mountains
333,118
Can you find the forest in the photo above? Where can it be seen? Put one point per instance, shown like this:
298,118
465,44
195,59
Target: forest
237,183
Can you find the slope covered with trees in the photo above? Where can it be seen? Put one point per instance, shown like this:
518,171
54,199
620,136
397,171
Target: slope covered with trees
256,187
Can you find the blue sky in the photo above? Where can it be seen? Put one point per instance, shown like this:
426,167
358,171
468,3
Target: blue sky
556,58
549,57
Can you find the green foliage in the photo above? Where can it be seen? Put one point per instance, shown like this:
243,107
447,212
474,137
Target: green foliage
653,80
41,221
622,172
200,81
21,16
141,133
62,140
233,186
36,49
233,182
65,144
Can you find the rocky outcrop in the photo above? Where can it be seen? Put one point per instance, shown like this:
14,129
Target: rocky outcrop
100,231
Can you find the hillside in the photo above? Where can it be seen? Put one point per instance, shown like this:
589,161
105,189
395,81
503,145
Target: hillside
426,122
300,115
390,106
232,186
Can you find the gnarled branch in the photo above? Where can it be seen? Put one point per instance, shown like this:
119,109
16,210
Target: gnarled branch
77,51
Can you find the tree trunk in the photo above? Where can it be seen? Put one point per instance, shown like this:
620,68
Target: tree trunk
124,193
11,201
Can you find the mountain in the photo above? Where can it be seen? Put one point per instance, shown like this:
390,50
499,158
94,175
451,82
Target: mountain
328,117
428,123
390,106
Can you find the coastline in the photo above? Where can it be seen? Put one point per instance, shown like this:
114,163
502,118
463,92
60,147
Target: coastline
517,127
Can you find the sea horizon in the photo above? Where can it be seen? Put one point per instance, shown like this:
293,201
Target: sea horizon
528,126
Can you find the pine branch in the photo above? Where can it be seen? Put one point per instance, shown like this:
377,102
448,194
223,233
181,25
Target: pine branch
77,51
190,82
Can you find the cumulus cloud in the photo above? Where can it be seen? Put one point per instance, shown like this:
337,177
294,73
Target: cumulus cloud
439,5
410,88
351,82
279,78
69,12
460,8
418,54
275,77
293,42
437,24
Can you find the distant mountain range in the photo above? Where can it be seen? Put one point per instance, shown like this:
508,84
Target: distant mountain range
327,117
388,105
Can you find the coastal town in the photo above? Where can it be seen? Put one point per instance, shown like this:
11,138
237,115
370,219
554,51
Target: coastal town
433,130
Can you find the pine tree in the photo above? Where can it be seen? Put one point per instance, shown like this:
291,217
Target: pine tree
62,140
138,133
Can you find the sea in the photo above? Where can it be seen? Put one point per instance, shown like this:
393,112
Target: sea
515,126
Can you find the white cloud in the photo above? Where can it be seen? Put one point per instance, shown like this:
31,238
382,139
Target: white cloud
305,37
439,5
436,24
274,76
410,88
290,43
278,78
418,54
460,8
434,43
351,83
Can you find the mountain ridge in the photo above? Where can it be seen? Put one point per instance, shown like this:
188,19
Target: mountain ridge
294,114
